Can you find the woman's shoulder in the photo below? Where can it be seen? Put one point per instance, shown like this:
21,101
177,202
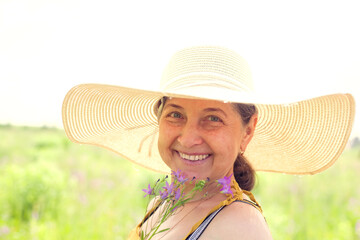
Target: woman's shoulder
239,220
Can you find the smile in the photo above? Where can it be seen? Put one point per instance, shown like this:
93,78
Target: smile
194,157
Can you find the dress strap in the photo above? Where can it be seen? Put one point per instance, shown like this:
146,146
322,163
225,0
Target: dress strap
197,233
150,213
253,200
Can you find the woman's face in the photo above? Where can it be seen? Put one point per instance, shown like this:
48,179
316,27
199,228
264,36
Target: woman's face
202,138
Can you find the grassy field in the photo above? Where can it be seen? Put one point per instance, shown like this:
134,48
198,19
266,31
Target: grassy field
52,189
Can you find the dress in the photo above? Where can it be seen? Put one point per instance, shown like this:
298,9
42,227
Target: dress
201,225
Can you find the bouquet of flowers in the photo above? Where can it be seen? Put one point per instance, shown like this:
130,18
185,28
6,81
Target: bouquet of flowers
172,196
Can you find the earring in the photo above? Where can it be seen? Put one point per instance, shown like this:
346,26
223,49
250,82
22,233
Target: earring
241,152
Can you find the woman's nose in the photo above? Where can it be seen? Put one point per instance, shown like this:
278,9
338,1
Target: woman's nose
190,135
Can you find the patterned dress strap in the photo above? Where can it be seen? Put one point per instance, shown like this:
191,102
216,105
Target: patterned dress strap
197,233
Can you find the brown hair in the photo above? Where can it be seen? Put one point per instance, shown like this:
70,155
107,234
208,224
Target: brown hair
243,172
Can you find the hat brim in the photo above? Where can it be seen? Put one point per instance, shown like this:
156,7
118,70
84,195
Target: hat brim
304,137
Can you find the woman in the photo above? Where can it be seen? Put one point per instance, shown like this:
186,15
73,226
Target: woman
204,138
203,122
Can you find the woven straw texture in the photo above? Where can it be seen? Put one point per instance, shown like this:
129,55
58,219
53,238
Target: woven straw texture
305,137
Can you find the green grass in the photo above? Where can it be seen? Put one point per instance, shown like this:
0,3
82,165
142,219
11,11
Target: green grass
52,189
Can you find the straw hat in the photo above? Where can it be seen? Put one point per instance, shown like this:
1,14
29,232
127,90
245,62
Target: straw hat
304,137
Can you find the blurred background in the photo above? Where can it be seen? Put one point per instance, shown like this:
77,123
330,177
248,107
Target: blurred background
51,188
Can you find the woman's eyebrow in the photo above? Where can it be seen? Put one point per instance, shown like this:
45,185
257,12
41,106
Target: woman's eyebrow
173,105
205,110
215,110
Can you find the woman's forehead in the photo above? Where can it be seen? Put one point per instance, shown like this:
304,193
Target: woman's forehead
191,101
199,104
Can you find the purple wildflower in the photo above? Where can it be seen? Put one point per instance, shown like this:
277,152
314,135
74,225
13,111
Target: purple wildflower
225,183
226,189
169,188
177,194
176,174
148,191
163,194
225,180
180,177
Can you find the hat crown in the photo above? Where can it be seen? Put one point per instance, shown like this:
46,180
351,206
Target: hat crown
207,67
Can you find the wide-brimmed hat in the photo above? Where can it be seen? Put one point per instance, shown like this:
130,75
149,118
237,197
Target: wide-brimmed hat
303,137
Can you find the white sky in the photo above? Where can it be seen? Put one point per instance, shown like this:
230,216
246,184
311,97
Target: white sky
294,48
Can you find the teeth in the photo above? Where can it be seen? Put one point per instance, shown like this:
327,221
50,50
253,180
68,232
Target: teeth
193,157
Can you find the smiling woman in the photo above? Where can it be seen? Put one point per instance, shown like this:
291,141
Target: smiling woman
243,172
207,124
193,129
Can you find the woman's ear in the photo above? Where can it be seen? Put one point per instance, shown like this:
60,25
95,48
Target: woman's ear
248,132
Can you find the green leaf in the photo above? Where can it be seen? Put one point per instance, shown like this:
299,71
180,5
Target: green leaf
163,230
142,235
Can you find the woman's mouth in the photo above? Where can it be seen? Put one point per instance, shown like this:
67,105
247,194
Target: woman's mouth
193,157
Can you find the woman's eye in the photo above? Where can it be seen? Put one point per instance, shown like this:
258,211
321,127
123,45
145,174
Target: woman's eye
214,119
175,115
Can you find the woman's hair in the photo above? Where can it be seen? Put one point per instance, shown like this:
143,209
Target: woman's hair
243,172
